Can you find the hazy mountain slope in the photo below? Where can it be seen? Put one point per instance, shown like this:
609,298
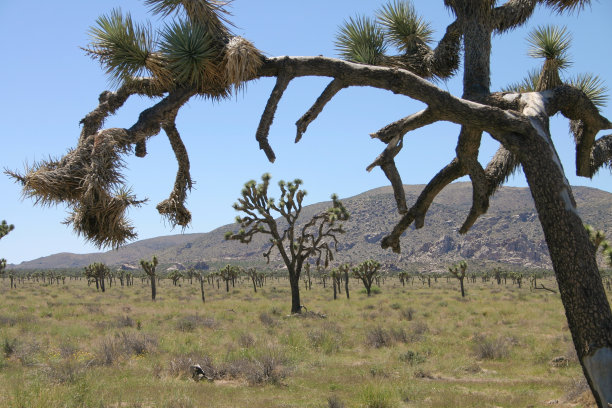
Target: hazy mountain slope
509,232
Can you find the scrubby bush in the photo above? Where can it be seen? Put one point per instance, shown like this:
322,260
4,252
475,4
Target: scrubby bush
487,349
378,337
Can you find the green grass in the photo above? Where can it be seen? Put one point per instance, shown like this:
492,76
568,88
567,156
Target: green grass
408,346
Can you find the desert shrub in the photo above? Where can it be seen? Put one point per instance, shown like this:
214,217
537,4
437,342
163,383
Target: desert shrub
374,290
407,313
487,349
26,351
112,349
191,322
8,347
412,357
178,402
8,321
137,344
376,397
65,371
395,306
379,372
246,340
417,331
269,365
378,337
576,388
334,402
327,339
266,319
67,349
124,321
399,335
179,365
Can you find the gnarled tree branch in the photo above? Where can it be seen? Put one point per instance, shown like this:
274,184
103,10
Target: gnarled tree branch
329,92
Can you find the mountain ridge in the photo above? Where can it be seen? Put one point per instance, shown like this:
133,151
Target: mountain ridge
509,233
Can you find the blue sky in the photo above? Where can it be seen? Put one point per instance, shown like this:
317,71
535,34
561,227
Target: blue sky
49,84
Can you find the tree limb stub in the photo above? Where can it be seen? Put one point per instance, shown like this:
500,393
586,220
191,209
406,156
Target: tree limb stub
267,117
417,212
405,125
174,206
329,92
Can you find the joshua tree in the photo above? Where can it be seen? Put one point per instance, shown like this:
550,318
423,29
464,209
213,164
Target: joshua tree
295,243
458,271
175,276
97,271
367,271
4,230
254,276
197,55
229,273
200,277
149,268
597,237
335,276
344,269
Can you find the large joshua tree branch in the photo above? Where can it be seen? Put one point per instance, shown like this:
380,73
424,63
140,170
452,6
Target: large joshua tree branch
441,62
329,92
91,173
174,206
586,121
512,14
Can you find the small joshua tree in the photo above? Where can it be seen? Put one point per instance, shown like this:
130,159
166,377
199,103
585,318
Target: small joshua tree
149,268
367,271
4,230
229,273
315,238
175,276
97,271
458,271
254,276
344,269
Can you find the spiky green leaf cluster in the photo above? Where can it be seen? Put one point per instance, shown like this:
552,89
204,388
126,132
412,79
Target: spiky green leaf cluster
189,51
5,228
567,5
551,43
592,86
528,84
362,40
207,12
120,45
405,29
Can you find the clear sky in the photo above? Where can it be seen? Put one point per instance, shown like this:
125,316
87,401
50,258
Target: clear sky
48,85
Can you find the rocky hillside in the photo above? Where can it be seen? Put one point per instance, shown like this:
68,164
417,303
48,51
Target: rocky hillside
509,233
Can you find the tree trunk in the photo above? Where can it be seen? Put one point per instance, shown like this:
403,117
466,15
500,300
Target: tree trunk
202,290
227,285
153,288
294,283
573,257
254,284
462,290
346,283
335,292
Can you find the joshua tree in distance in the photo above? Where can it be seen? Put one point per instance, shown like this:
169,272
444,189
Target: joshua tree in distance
149,268
99,272
4,230
197,55
367,272
458,271
296,243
